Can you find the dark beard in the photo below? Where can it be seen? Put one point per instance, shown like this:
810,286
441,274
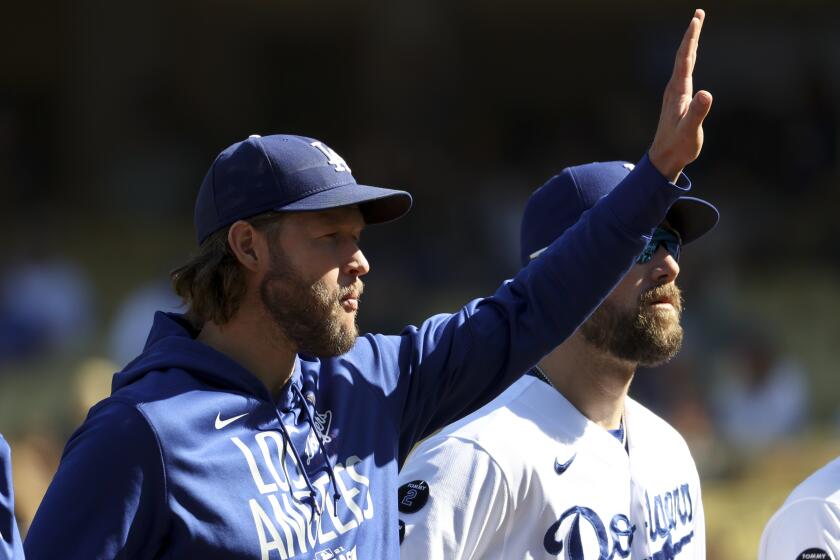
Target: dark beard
308,314
645,336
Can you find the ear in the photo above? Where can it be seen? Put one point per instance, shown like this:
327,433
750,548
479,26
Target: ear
247,245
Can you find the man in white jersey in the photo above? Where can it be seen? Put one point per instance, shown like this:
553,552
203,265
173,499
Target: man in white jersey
807,526
564,464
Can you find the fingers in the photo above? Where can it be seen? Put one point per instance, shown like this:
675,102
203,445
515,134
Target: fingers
679,134
695,26
698,109
687,52
699,15
704,98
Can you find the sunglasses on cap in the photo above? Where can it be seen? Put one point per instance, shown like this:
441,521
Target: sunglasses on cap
666,238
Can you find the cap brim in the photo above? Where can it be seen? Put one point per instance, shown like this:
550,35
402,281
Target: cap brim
378,205
692,217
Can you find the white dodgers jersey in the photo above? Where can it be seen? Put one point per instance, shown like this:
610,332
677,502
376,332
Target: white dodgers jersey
807,526
529,477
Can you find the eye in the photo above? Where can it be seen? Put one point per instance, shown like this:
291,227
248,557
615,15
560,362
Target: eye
341,236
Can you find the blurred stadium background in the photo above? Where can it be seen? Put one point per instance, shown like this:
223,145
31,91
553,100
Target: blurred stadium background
111,112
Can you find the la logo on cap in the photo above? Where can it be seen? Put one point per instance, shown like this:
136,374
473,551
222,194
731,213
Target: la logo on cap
332,157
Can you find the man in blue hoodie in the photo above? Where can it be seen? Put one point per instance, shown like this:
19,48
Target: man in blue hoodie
259,425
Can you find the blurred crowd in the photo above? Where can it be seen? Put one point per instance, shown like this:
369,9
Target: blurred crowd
98,181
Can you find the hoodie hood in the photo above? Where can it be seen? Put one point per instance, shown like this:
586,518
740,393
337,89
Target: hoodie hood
172,345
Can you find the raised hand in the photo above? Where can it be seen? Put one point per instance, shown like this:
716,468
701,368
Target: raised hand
679,135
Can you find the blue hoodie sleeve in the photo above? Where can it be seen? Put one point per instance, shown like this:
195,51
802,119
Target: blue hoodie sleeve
10,544
453,364
108,498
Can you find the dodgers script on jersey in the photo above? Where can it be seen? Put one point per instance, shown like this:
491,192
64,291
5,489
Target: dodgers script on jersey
807,526
528,476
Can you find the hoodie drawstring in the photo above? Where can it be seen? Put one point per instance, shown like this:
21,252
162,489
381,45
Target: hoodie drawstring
330,466
316,508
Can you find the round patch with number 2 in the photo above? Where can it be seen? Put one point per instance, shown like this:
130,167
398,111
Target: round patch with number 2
413,496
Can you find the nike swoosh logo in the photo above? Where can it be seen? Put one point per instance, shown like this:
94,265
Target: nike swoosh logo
560,468
222,423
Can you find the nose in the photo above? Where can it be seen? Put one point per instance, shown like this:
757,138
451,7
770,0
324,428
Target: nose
664,267
357,265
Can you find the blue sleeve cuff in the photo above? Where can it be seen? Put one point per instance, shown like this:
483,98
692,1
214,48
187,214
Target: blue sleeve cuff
645,182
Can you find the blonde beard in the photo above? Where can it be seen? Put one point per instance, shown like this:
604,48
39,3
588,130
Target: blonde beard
646,336
307,314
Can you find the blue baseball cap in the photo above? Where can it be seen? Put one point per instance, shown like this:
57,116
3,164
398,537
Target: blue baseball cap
557,205
286,173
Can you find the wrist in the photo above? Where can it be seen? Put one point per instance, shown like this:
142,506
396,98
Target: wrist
665,164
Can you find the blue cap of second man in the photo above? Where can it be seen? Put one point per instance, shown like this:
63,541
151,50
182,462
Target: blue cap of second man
558,205
283,172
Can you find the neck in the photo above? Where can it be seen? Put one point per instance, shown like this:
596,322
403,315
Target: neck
252,339
595,382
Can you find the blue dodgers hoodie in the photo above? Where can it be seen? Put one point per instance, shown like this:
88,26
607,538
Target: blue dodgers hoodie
11,547
191,457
